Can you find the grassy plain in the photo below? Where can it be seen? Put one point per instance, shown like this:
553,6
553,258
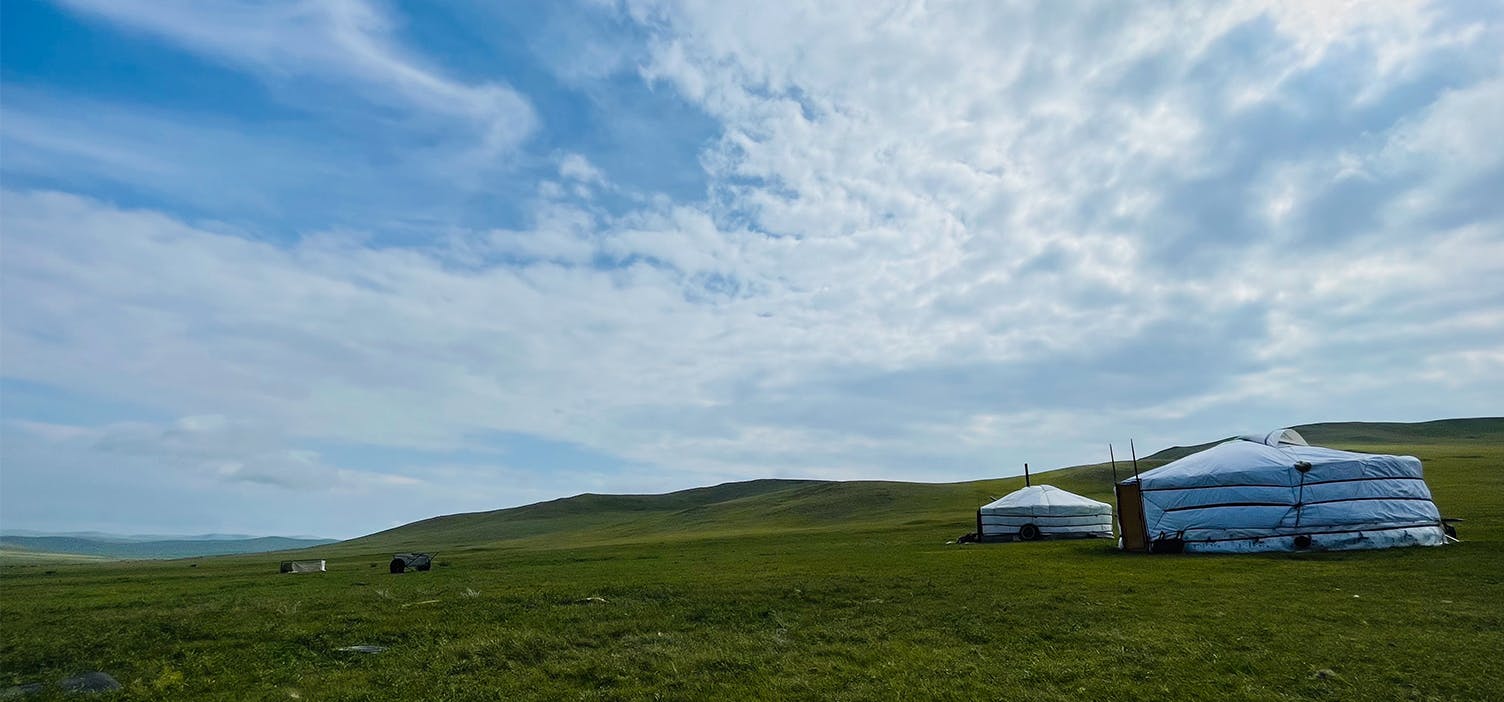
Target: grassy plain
18,556
776,590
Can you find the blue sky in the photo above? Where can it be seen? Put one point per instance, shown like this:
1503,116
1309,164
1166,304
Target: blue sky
326,267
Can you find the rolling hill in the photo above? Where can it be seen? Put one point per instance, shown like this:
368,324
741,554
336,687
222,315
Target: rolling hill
763,506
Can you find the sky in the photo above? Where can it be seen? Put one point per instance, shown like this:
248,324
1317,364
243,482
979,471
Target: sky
329,267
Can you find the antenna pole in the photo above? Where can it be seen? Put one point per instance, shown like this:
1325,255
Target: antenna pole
1133,451
1027,482
1114,460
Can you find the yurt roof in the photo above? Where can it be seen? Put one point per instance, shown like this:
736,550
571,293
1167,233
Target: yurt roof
1046,496
1241,462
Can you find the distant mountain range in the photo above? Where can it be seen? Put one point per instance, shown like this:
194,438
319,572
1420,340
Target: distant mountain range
149,546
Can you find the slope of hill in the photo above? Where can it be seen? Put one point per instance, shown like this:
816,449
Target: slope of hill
174,548
761,506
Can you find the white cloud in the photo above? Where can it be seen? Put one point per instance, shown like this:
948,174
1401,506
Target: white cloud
183,160
343,43
577,167
392,347
200,446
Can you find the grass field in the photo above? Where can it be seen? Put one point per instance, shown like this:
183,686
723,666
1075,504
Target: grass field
776,590
21,556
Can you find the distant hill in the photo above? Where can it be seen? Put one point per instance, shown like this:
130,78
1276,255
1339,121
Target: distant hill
1441,431
1370,435
110,546
813,505
105,536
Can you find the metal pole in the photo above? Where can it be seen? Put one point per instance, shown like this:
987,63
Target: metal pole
1027,482
1114,460
1134,451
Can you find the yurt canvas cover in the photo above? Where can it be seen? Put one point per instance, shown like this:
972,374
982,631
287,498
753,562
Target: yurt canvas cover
1052,513
303,566
1275,493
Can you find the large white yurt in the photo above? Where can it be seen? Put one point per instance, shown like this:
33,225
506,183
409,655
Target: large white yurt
1043,512
1274,492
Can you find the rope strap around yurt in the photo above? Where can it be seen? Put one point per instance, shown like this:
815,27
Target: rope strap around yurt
1302,467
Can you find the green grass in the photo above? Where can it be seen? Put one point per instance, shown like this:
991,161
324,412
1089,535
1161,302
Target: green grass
19,556
773,590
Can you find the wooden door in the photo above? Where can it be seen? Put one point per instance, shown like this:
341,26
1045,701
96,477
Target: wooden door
1131,517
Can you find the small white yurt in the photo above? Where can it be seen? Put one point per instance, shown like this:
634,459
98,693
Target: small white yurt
1043,512
1274,492
303,566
